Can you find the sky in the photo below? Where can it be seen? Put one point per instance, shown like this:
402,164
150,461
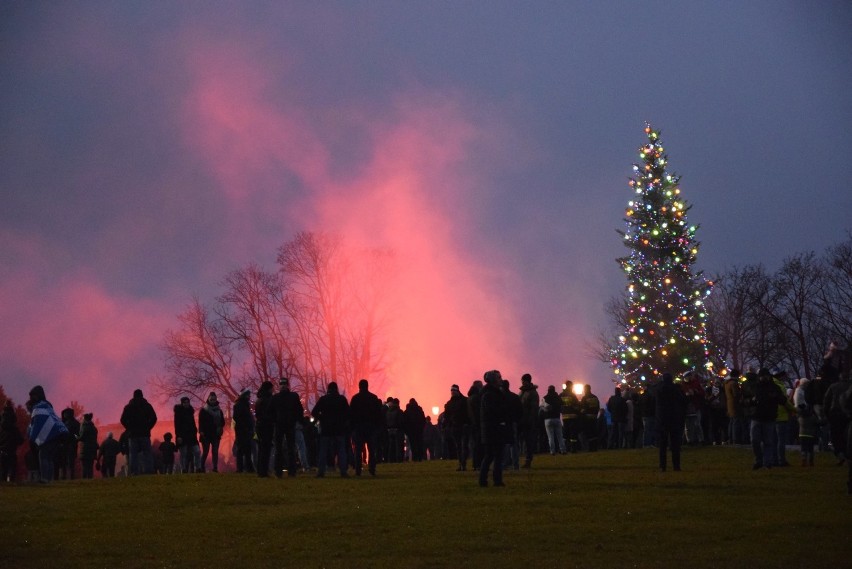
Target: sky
147,149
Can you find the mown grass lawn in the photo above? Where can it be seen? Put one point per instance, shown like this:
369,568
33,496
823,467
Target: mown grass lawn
604,509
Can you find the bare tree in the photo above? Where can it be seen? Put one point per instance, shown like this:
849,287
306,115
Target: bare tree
198,356
835,301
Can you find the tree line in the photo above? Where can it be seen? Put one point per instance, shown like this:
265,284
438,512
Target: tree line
319,316
785,318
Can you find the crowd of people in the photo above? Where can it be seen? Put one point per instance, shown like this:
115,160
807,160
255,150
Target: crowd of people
491,428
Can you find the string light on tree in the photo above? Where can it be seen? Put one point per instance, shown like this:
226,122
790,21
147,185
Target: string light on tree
664,309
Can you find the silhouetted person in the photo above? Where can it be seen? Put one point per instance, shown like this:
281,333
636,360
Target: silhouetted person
186,435
211,425
288,411
393,425
244,431
495,418
332,412
46,431
10,440
365,409
670,418
590,407
767,397
414,419
264,415
570,417
107,454
139,418
88,446
458,424
167,452
474,400
66,457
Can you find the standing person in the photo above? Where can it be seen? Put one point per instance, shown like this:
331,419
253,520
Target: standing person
394,425
107,454
782,421
211,425
495,417
167,452
617,407
67,456
88,446
570,417
45,432
458,424
139,418
264,415
694,392
590,406
551,409
366,416
414,419
243,431
767,397
288,411
648,406
528,426
516,413
10,440
186,435
733,408
628,424
808,422
670,418
474,396
332,412
837,419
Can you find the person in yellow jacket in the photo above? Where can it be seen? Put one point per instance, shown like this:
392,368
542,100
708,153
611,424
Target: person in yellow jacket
782,419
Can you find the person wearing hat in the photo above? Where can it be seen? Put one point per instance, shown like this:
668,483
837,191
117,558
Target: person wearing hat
45,432
458,423
288,409
243,431
88,445
495,418
186,437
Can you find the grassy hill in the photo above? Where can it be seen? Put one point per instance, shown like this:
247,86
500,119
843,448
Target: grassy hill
605,509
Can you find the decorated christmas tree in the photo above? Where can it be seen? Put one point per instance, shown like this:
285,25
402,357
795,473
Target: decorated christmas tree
663,311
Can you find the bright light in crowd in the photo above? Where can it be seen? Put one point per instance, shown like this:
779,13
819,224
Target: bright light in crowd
578,389
435,410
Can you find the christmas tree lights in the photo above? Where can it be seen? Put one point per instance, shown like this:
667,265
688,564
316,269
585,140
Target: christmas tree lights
664,313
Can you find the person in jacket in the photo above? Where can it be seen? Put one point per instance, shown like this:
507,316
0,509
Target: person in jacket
186,437
107,455
10,440
288,411
670,419
211,425
168,449
244,431
782,420
807,419
394,427
733,408
551,410
648,411
617,407
139,418
474,397
528,426
332,413
46,432
264,415
88,446
570,417
495,419
837,419
66,455
365,410
516,413
767,397
414,419
590,407
458,424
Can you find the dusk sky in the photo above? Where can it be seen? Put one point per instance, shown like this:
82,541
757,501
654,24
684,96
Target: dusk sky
147,149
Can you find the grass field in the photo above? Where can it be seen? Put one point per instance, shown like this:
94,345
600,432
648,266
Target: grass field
604,509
